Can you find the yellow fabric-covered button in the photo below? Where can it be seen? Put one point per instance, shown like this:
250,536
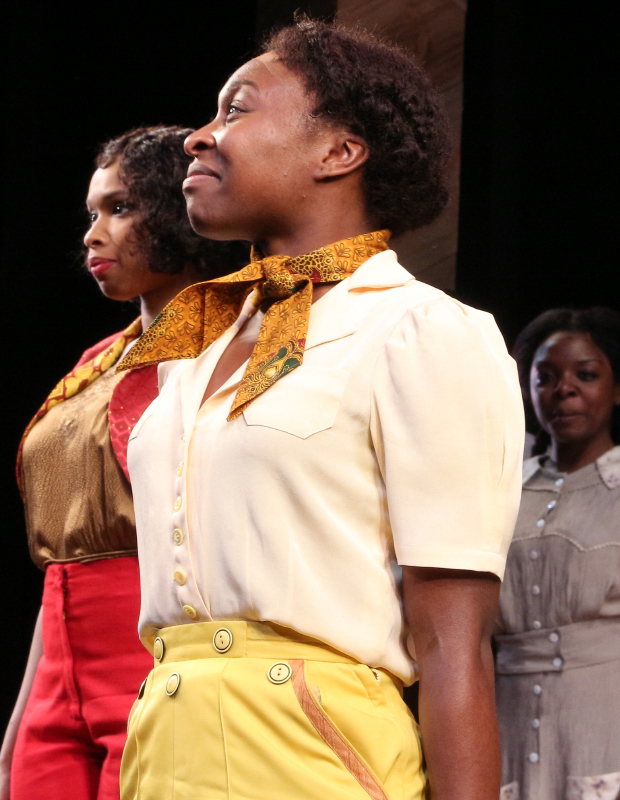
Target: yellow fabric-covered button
178,503
180,577
280,672
178,536
174,681
190,611
158,649
180,468
222,640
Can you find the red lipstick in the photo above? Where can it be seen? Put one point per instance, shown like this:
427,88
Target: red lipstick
98,266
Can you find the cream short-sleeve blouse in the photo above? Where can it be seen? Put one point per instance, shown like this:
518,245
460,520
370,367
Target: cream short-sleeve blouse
398,441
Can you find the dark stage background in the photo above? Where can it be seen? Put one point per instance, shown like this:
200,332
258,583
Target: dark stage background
536,197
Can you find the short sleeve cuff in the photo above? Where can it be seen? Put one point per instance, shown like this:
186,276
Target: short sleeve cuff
453,558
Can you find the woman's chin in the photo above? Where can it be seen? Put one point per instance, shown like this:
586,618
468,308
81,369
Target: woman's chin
570,432
112,292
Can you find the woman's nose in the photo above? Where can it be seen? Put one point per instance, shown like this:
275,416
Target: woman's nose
95,235
565,387
199,140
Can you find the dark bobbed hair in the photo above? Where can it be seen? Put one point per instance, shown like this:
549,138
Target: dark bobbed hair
603,325
376,91
153,165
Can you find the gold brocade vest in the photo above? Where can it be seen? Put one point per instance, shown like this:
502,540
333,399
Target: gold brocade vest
105,355
199,315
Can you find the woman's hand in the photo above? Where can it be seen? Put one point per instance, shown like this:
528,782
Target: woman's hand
451,615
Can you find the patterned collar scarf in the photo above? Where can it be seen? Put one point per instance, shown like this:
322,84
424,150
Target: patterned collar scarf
201,313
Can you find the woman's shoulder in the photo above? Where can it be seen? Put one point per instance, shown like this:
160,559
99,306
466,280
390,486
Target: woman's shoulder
427,316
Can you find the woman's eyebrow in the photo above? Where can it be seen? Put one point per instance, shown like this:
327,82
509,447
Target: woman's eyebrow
232,88
116,194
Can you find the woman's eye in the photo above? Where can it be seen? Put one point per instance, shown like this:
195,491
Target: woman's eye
120,208
585,375
91,217
544,378
233,110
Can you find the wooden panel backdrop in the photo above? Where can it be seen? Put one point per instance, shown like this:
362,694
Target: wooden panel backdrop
435,31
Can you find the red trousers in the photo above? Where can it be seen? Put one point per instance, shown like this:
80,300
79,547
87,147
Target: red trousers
73,731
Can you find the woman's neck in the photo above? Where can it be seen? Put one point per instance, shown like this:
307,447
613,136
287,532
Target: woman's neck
571,456
317,231
154,301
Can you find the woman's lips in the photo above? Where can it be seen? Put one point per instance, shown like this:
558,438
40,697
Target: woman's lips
98,266
196,178
198,173
563,419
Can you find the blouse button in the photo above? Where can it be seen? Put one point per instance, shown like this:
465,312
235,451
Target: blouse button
180,577
535,589
540,523
178,536
554,637
536,723
537,624
180,468
178,503
537,689
559,481
190,611
533,554
552,504
533,757
557,662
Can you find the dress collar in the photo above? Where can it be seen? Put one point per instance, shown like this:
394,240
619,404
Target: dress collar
608,467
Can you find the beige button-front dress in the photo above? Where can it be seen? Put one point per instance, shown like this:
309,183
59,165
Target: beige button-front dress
558,636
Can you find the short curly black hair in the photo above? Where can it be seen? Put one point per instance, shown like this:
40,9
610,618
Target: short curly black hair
603,325
378,92
153,165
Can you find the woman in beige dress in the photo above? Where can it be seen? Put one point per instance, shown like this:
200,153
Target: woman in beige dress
558,639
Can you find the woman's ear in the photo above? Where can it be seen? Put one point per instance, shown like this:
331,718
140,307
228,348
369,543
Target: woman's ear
343,153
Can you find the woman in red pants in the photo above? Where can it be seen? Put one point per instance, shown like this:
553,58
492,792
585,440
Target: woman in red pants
68,729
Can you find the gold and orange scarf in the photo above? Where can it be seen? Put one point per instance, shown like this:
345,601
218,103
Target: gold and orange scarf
201,313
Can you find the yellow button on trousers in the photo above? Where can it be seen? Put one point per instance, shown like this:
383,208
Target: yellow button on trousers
249,711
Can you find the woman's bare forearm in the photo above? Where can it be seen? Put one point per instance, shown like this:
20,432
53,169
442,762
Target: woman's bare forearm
451,615
459,727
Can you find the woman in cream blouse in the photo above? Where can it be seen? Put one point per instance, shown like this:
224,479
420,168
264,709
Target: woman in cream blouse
324,423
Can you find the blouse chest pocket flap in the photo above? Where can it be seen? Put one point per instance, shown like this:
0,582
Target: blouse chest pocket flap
301,403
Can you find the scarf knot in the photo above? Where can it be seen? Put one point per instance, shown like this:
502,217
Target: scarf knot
201,313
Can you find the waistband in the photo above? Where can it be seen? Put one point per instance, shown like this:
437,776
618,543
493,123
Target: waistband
579,644
235,639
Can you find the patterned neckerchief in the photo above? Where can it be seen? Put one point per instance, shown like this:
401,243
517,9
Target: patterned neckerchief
201,313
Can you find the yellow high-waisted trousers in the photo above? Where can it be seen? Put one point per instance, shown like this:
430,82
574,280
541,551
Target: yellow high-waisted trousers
249,711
